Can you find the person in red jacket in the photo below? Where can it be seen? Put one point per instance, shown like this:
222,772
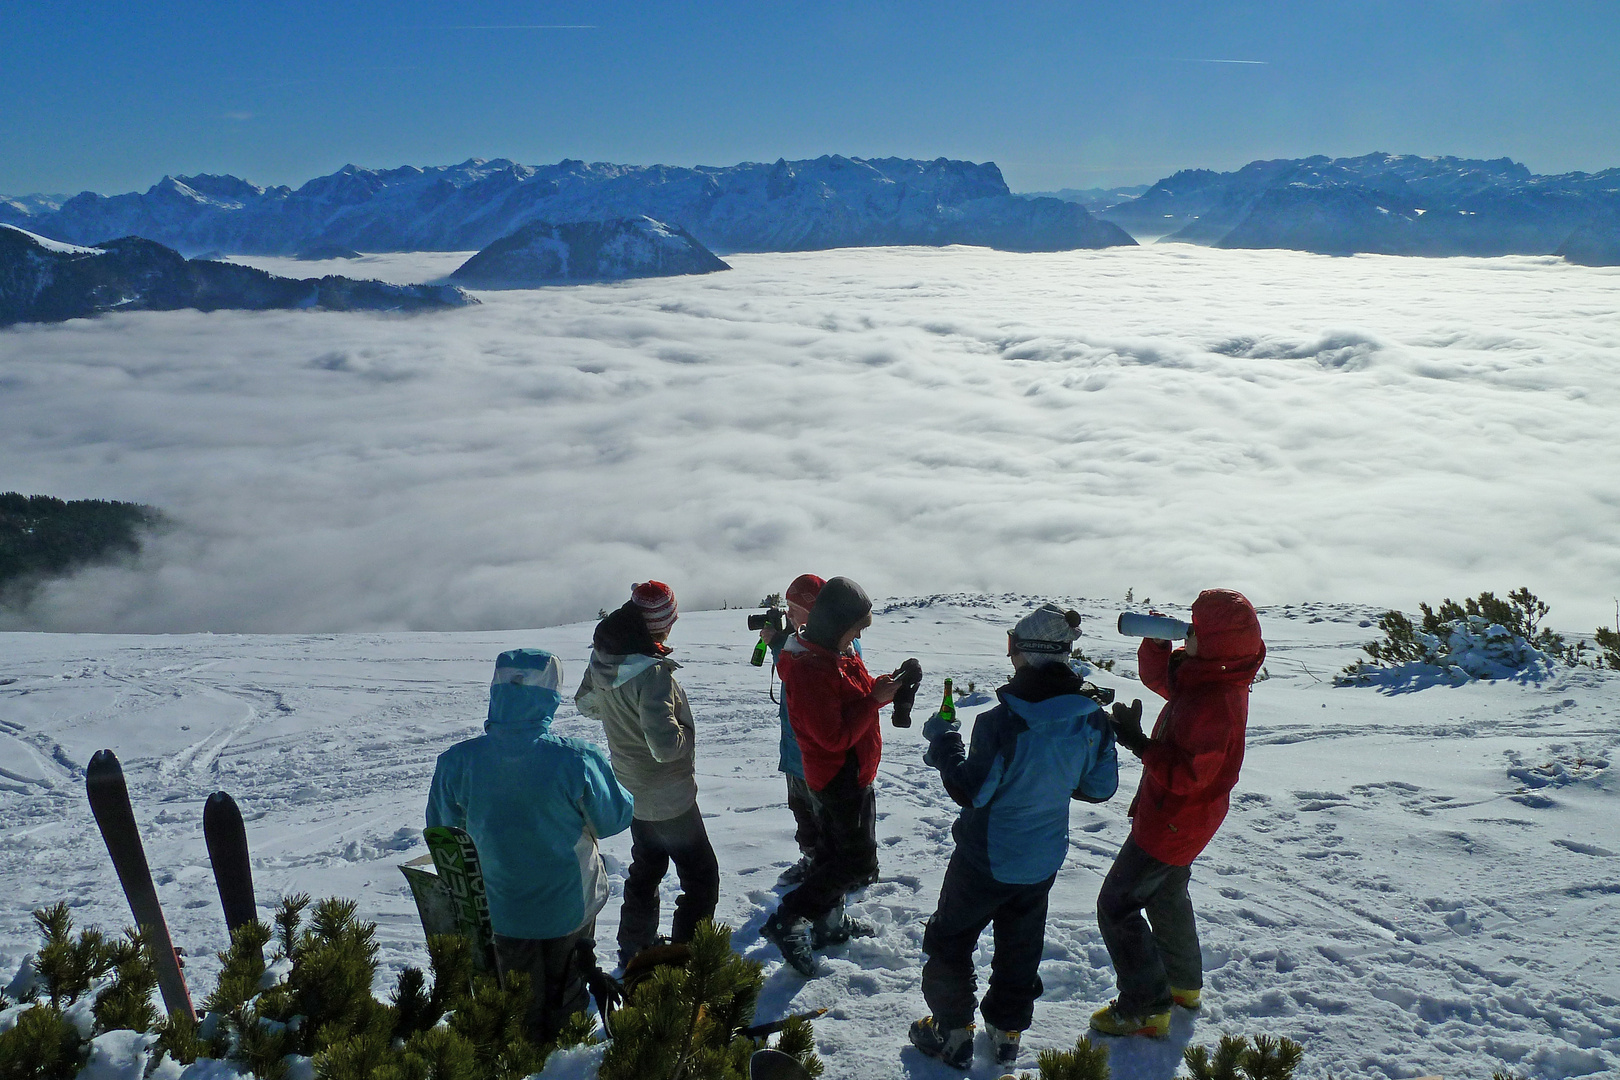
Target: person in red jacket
832,706
1189,766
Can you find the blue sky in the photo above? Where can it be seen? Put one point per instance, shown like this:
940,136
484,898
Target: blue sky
109,97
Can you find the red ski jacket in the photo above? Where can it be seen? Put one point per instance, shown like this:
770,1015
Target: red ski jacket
831,710
1191,765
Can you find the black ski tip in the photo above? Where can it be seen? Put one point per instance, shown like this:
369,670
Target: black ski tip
219,800
104,763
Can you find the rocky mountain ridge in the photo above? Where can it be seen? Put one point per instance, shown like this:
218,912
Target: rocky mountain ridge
827,202
43,280
1384,203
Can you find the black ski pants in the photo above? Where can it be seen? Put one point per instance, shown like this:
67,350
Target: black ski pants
558,969
969,900
846,857
653,846
806,818
1150,954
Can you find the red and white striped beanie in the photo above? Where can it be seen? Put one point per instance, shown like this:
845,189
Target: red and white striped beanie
657,604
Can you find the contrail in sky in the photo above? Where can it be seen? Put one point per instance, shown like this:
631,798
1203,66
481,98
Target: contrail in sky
546,26
1202,60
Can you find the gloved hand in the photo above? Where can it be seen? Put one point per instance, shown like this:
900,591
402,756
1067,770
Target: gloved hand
1127,722
937,725
607,991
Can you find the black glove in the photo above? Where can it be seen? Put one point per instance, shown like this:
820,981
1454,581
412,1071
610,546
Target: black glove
607,991
1128,727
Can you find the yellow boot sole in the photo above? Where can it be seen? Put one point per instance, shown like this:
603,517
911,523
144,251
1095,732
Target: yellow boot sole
1110,1022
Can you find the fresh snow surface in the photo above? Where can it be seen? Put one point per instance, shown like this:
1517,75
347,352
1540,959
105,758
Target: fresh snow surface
1408,884
55,245
1373,430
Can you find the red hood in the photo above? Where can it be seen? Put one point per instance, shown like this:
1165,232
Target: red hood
1227,626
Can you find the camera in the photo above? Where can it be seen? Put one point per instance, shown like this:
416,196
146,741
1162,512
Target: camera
907,677
775,618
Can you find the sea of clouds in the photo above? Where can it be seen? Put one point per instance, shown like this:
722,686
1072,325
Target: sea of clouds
1168,418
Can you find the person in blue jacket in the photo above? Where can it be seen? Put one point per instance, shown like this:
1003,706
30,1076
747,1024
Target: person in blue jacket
1043,745
534,803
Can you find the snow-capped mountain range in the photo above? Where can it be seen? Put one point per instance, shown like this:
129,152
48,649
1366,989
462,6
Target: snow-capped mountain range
1395,204
829,202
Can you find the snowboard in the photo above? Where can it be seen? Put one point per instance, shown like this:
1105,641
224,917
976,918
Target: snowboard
455,856
109,802
228,852
434,904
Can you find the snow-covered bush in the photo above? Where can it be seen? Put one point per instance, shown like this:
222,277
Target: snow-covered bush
1485,637
80,987
1608,646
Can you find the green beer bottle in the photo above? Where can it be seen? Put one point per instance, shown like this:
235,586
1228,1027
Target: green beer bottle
760,649
947,707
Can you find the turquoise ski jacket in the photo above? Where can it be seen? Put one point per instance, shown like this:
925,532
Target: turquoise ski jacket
533,802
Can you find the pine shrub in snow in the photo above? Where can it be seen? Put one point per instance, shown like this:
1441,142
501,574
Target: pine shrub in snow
296,1001
81,987
1237,1059
686,1023
1484,637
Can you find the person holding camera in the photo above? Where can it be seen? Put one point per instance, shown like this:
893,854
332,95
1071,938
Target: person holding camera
832,705
1189,766
535,803
630,688
775,632
1044,744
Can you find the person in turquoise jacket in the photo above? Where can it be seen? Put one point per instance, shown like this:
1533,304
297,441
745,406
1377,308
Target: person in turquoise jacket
535,803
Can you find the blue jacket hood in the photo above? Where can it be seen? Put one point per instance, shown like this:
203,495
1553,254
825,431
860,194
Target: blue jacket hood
1052,710
524,690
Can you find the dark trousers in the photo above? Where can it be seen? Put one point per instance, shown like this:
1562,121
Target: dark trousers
806,822
653,845
557,970
970,900
847,855
1149,959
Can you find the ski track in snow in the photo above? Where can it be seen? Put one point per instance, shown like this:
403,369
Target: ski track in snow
1408,883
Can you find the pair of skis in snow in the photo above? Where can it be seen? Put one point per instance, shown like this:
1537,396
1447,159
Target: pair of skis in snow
227,851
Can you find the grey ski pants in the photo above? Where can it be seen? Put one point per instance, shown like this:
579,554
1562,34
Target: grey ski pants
1150,954
557,970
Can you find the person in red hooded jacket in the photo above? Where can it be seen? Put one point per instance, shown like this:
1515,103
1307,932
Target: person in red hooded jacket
832,706
1189,766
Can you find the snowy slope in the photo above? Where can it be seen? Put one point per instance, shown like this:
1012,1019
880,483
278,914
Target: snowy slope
1409,884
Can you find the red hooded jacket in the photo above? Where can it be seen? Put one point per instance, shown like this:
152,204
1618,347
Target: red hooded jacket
1191,765
831,710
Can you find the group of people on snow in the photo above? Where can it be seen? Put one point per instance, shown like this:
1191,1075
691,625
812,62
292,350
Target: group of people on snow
535,804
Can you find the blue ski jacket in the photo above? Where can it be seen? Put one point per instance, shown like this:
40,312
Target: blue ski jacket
1044,744
534,804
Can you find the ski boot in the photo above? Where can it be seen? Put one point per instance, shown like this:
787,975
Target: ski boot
1187,999
793,938
835,928
1110,1021
1004,1044
953,1047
